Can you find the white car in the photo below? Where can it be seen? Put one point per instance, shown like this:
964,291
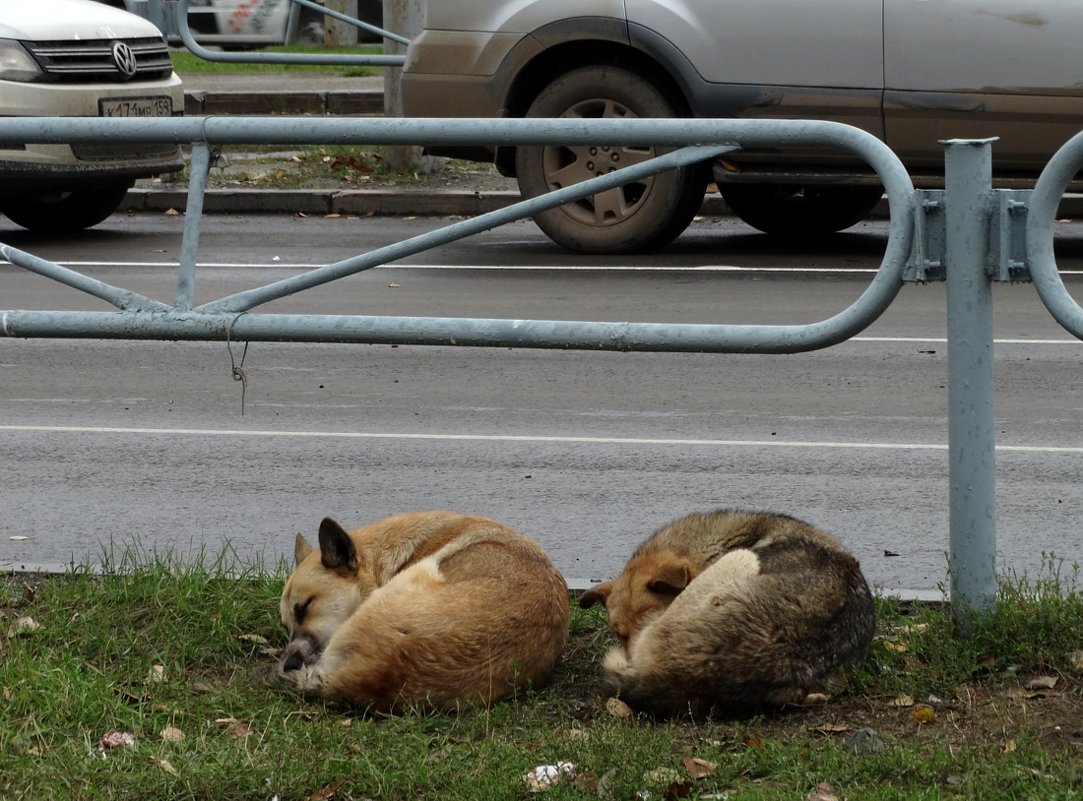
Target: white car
243,24
78,58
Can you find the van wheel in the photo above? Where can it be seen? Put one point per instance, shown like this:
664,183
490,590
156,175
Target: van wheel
788,210
638,216
62,212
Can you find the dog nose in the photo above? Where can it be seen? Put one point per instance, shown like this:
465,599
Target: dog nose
293,661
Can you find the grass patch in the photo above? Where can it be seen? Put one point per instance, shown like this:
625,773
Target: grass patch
177,656
186,63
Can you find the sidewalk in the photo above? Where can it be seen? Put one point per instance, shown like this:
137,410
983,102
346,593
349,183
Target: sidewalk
304,94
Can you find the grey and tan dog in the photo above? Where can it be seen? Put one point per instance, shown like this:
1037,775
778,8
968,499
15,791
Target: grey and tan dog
734,611
431,609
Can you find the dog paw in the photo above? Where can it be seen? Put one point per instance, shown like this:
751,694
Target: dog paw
305,681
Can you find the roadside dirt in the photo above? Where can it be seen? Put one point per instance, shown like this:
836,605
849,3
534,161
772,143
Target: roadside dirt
344,169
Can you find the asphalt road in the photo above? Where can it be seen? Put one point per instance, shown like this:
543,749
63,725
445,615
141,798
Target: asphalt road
118,447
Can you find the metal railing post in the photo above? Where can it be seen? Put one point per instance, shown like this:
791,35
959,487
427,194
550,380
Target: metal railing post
971,431
198,174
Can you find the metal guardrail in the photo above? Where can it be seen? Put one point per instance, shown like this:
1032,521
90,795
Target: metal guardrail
967,234
696,140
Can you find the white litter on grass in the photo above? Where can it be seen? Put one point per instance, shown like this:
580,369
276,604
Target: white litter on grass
545,776
116,739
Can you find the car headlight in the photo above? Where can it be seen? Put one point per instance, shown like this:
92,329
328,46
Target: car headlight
16,64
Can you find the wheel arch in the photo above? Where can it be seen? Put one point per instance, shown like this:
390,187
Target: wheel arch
608,45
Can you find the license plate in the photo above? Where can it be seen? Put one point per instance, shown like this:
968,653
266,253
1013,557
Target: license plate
136,107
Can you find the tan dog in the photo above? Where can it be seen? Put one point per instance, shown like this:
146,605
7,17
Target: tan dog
734,611
435,609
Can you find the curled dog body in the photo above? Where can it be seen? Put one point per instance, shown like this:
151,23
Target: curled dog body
432,609
734,611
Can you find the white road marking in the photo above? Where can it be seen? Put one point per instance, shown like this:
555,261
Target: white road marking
569,268
524,438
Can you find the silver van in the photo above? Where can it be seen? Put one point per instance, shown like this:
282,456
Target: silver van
911,72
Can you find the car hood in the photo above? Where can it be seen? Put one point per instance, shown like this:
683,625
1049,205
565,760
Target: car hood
71,19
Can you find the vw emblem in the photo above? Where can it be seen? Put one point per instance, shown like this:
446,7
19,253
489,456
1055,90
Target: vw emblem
124,58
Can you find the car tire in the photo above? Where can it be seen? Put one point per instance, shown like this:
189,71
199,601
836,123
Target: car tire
788,210
636,217
63,212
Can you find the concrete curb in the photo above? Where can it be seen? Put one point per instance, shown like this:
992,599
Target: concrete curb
198,103
362,202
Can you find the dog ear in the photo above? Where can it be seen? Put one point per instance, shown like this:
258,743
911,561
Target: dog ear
596,595
336,547
670,578
301,549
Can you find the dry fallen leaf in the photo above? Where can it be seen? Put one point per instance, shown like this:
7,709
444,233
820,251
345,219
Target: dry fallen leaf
830,728
1038,694
171,734
753,741
923,713
902,701
23,625
1007,746
1042,683
815,699
256,638
895,646
164,764
239,729
156,675
325,793
663,776
617,708
823,792
699,768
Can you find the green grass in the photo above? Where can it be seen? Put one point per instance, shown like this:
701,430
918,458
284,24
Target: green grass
185,63
156,646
